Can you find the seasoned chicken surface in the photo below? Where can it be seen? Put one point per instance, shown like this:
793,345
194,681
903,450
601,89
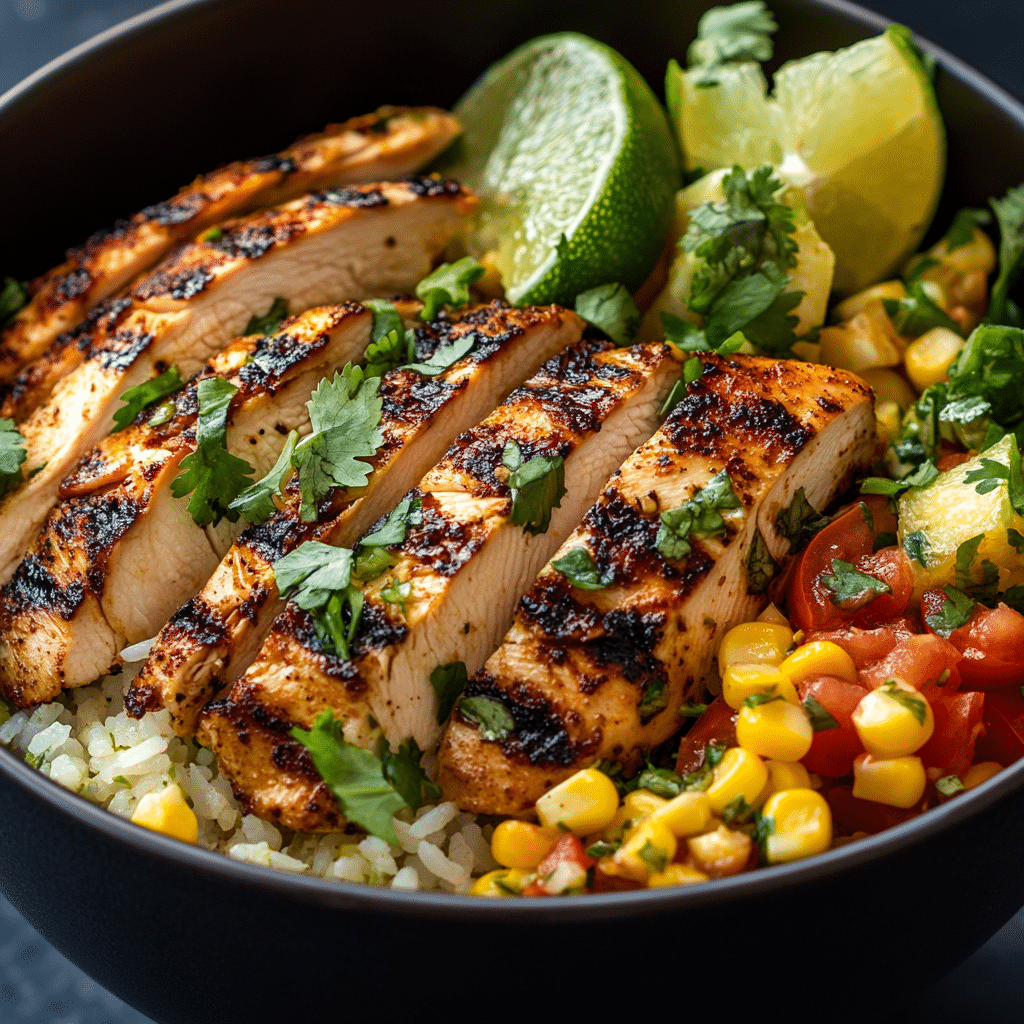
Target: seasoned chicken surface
120,553
215,636
600,673
466,563
386,145
330,246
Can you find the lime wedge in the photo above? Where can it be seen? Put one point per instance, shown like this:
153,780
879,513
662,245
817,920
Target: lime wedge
858,131
576,167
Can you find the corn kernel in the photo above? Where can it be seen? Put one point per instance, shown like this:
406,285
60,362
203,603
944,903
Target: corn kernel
849,308
500,884
893,721
642,803
784,775
685,814
739,773
978,255
888,420
865,342
584,802
929,357
775,729
898,781
889,387
819,658
649,849
521,844
801,825
676,874
166,811
742,681
720,853
981,772
754,643
613,831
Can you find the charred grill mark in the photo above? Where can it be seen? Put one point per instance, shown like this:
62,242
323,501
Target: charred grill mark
140,699
442,543
428,188
409,399
284,164
628,643
179,210
179,284
253,241
194,625
299,625
34,588
294,759
70,286
360,197
549,607
770,421
272,539
623,542
120,351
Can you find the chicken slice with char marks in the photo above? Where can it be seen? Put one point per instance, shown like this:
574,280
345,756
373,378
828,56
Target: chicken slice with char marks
466,564
383,146
591,674
120,553
215,637
348,244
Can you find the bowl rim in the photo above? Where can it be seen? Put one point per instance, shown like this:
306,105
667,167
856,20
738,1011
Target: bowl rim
594,907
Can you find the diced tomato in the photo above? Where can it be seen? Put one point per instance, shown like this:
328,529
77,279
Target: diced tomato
833,750
1003,740
717,724
568,850
891,566
958,724
992,644
866,645
915,660
851,814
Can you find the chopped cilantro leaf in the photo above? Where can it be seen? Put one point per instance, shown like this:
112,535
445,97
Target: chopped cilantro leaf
397,592
401,768
924,475
692,710
761,567
725,35
345,412
537,487
915,705
490,716
800,521
654,700
611,308
408,512
961,231
371,562
1015,540
602,848
447,286
446,354
755,700
256,503
1009,212
391,344
956,611
849,588
915,314
653,855
271,321
578,567
662,781
211,474
144,395
820,717
916,546
713,753
13,296
448,682
355,777
699,516
12,455
981,585
162,414
949,785
737,810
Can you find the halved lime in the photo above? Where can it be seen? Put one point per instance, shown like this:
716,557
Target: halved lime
576,167
857,130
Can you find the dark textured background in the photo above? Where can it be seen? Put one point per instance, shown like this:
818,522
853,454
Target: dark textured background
38,986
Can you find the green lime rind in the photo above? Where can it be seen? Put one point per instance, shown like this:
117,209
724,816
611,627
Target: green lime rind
565,106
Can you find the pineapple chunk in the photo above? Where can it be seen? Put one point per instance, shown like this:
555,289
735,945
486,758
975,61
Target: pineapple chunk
950,512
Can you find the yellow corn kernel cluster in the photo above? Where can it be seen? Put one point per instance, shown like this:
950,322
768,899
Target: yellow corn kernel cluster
521,844
500,884
775,729
819,658
801,825
583,803
755,643
896,781
166,811
742,681
893,721
740,773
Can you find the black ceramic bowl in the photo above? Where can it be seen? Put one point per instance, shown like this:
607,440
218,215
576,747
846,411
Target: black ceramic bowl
186,935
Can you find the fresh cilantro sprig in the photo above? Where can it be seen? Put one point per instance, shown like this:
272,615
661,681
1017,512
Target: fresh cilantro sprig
924,475
270,322
318,578
448,682
13,297
447,286
537,487
611,308
917,313
355,776
654,700
578,567
445,355
761,567
12,455
372,559
917,546
256,503
981,584
725,35
800,520
345,413
402,770
211,474
397,592
849,588
490,716
956,611
391,343
144,395
700,516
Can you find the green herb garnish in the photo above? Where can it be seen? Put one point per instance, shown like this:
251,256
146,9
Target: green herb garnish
699,516
849,588
578,567
537,487
13,296
144,395
490,716
448,286
611,308
12,455
448,682
256,503
270,322
401,768
761,567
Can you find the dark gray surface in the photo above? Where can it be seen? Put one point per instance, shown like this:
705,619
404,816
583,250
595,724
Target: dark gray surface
38,985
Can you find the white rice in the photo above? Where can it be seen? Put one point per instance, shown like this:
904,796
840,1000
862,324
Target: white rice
87,743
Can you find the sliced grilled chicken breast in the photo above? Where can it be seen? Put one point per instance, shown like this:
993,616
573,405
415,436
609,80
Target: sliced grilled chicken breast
330,246
590,674
120,553
386,145
466,565
215,636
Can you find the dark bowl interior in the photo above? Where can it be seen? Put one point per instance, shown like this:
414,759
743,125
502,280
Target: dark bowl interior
185,935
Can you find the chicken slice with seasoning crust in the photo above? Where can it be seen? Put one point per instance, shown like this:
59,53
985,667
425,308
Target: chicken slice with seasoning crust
215,637
586,674
451,593
349,244
383,146
120,552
